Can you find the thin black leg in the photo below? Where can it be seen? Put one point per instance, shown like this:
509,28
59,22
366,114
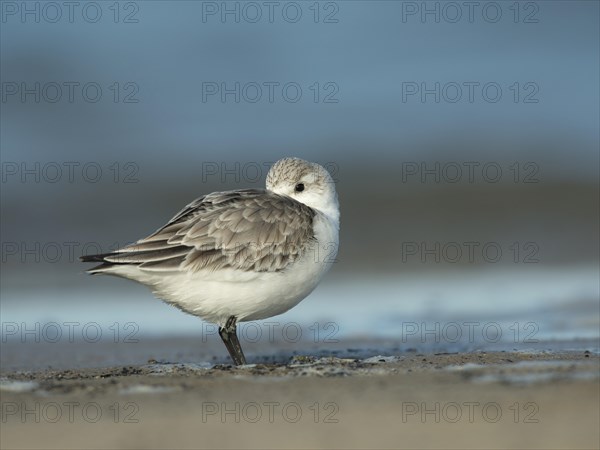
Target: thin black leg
229,336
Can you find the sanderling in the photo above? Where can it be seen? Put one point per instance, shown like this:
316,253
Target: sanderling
239,255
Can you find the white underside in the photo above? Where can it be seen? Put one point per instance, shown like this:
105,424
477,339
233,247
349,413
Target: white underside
217,295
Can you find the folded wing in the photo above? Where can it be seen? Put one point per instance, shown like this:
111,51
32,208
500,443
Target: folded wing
249,230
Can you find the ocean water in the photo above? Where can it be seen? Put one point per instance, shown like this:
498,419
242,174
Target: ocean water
475,307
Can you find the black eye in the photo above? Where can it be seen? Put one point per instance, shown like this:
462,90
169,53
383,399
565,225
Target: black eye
299,187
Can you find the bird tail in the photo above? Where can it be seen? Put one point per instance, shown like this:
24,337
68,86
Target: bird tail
101,258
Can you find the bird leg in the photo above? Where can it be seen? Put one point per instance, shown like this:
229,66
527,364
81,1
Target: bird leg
230,339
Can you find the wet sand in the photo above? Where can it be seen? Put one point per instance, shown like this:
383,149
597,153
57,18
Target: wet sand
342,397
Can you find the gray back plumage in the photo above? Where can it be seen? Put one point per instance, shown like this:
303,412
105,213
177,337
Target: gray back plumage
249,230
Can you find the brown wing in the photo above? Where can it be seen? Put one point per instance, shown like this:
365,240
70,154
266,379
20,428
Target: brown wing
250,230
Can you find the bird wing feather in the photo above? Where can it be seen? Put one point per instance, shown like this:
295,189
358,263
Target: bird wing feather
249,230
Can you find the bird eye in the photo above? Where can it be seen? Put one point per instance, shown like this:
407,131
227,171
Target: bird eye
299,187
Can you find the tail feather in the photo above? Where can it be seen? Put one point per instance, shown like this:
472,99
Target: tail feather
100,268
95,258
101,258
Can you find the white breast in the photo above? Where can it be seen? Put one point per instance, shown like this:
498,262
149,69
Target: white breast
215,296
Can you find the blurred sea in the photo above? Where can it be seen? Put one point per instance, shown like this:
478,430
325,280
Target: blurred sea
479,307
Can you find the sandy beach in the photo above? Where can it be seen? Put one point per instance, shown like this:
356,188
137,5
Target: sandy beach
340,398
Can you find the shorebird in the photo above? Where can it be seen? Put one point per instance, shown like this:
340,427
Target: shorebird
239,255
